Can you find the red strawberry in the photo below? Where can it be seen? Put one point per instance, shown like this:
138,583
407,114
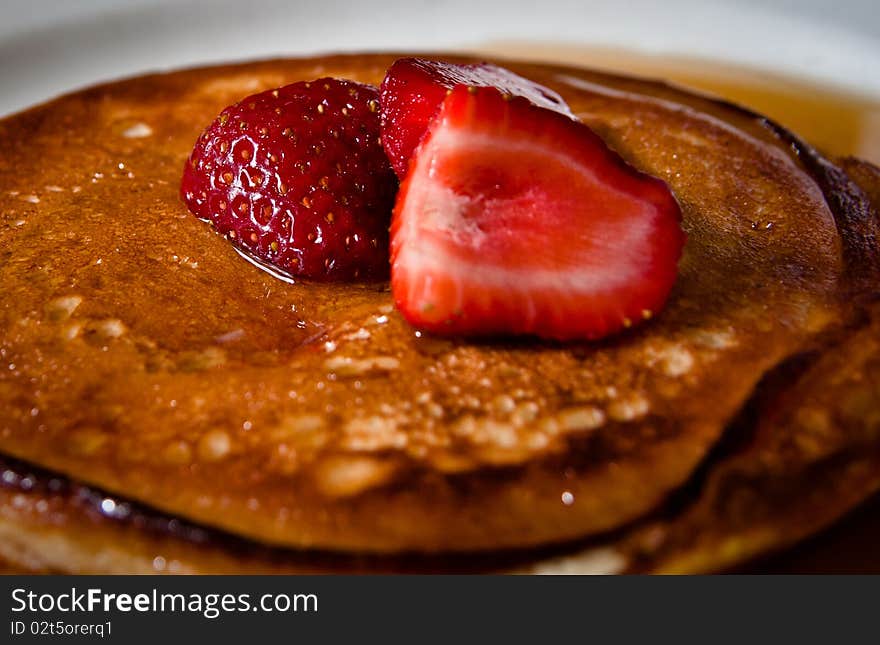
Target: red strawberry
518,220
414,88
297,177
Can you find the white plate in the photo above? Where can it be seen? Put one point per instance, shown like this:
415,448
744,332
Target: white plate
52,46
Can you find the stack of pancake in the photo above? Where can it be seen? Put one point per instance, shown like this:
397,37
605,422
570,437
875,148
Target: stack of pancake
167,407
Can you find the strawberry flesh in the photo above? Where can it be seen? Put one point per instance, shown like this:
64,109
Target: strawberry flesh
414,88
296,178
515,219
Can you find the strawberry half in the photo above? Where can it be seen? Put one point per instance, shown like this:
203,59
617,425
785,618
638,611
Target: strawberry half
296,177
414,88
515,219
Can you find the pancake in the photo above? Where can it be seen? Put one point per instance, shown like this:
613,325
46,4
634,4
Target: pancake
798,469
144,358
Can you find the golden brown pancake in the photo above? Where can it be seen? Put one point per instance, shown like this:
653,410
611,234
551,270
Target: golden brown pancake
812,452
142,356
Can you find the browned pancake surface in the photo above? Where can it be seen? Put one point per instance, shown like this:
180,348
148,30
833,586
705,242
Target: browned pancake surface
139,353
814,454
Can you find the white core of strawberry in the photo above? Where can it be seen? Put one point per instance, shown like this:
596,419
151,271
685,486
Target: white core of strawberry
435,222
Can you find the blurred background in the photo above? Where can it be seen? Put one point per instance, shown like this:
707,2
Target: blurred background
770,54
49,44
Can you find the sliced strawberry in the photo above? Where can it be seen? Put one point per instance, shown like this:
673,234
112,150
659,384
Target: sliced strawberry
414,88
518,220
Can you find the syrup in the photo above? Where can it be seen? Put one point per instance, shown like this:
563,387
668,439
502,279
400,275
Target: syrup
836,121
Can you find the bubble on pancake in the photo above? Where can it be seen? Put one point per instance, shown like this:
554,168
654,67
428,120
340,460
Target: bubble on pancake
109,328
214,445
673,359
231,336
524,413
372,434
714,338
434,410
299,425
497,442
348,475
503,404
96,332
596,561
297,439
63,307
71,331
185,261
677,361
360,334
137,131
580,418
201,360
345,366
234,86
629,408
